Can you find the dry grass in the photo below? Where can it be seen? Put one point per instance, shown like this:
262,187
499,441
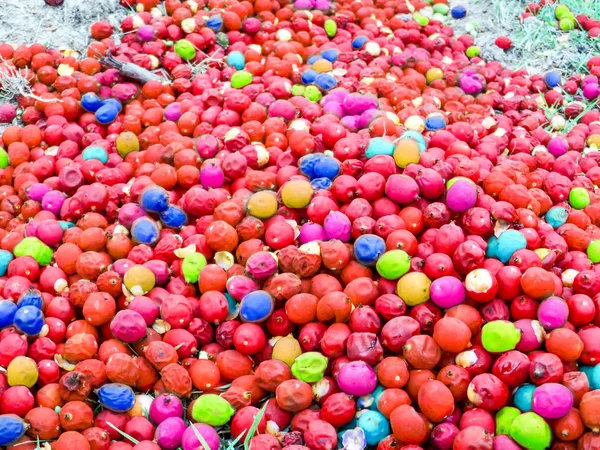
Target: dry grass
14,83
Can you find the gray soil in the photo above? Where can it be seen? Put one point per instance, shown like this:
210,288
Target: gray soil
65,26
538,43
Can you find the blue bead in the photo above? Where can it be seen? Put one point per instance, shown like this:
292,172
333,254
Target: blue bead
7,313
307,163
114,103
359,42
375,426
29,320
321,183
458,12
215,23
523,397
256,306
236,59
309,76
106,114
552,79
5,258
328,168
173,217
379,146
369,401
91,102
435,123
557,216
325,81
154,199
509,242
31,297
331,54
95,152
145,231
11,429
368,248
117,397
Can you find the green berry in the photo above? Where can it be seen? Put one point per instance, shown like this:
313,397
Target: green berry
330,27
567,24
309,367
298,89
240,79
4,160
500,336
473,51
579,197
505,418
212,410
185,49
593,251
192,266
393,264
420,19
560,11
531,431
312,93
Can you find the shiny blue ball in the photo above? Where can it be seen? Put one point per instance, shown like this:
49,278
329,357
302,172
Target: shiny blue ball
368,248
256,306
458,12
91,102
29,320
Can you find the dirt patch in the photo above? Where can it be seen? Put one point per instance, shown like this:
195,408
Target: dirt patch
62,27
538,44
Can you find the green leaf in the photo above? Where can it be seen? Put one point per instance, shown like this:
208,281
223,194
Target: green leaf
200,438
254,426
125,435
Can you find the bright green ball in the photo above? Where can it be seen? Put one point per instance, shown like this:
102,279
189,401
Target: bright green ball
185,49
579,197
192,266
298,89
212,409
593,251
499,336
421,19
4,160
330,27
560,11
309,367
473,51
240,79
531,431
505,418
312,93
32,246
567,24
393,264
